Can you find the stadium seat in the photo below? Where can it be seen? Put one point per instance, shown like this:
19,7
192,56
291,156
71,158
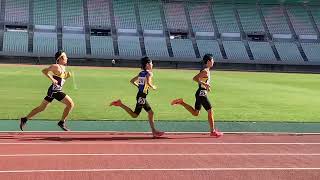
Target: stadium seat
98,13
175,15
45,12
312,51
74,44
288,51
209,47
72,13
156,47
101,46
124,14
45,44
17,11
235,50
200,17
182,48
275,20
150,17
224,13
129,46
300,20
316,15
262,51
15,42
250,18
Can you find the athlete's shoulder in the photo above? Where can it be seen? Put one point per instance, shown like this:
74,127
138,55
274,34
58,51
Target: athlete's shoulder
205,70
149,73
141,73
144,73
54,66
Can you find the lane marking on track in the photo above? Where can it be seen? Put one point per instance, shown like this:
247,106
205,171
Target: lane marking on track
169,154
156,143
182,169
149,133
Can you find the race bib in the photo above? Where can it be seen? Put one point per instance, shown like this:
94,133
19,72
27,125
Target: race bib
58,87
141,80
142,101
203,93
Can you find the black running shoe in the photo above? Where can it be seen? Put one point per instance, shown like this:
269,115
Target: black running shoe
63,126
23,122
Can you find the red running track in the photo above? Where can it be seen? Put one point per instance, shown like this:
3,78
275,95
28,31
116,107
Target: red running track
68,156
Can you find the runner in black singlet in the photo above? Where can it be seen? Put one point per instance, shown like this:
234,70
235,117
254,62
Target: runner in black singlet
57,74
203,80
143,81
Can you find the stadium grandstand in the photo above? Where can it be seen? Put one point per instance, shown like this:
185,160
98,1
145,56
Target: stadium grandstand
128,89
237,32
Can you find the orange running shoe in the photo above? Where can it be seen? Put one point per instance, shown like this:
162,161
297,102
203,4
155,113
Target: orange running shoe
177,101
116,103
216,133
158,134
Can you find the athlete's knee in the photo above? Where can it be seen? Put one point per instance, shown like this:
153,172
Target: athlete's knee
210,111
41,108
196,113
134,115
70,105
151,113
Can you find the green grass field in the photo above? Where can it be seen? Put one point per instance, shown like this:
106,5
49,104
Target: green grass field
236,96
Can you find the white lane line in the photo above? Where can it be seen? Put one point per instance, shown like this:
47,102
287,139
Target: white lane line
169,154
149,133
155,143
178,169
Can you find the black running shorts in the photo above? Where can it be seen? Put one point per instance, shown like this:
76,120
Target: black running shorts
202,100
142,103
55,95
